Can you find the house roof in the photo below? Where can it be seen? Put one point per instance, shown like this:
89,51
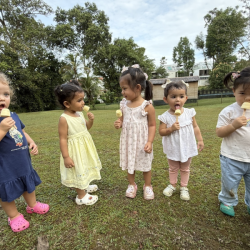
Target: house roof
175,79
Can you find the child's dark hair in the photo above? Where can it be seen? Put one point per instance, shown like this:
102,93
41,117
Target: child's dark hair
74,81
66,92
175,85
235,78
136,76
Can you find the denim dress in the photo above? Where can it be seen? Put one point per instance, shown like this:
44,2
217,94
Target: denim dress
16,172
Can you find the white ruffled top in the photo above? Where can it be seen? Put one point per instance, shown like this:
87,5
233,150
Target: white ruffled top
181,144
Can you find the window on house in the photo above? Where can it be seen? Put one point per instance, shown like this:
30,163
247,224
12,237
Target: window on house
204,72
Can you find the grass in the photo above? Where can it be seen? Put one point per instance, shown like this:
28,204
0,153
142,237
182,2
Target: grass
116,222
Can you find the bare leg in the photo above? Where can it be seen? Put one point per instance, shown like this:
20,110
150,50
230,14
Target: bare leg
147,178
30,198
81,193
10,209
131,179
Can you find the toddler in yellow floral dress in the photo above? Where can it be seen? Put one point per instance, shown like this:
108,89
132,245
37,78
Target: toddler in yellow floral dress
79,162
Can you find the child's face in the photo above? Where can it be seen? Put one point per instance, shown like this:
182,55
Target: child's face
4,96
241,94
176,99
127,92
77,103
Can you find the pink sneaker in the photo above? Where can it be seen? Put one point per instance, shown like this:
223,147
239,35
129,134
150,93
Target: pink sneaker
18,224
39,208
148,193
131,191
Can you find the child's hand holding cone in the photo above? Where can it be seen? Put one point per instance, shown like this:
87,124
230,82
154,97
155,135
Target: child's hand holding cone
246,105
8,122
118,122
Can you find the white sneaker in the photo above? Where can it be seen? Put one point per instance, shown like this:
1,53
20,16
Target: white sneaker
169,190
184,195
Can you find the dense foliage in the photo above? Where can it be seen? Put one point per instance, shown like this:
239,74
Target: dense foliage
161,72
81,29
24,55
37,57
226,30
217,75
30,52
122,52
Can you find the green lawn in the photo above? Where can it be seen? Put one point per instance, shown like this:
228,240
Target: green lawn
116,222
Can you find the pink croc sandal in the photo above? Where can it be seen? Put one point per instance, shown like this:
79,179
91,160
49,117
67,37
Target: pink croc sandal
39,208
131,191
148,193
18,224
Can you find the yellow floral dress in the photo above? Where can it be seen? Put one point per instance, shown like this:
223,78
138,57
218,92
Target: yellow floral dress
83,152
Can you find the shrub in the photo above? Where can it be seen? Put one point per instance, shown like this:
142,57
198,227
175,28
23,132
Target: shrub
217,75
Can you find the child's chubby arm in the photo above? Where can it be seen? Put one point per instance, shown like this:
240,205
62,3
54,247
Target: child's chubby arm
31,143
90,122
63,137
226,130
5,126
151,128
163,130
197,133
118,123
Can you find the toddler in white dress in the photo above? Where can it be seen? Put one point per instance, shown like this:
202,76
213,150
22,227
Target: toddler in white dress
138,129
178,136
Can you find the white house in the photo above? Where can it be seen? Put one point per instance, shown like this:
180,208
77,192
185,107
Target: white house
200,69
172,70
203,71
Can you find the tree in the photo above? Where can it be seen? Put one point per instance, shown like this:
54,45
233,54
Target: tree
217,75
73,65
109,97
225,31
183,54
200,45
73,68
241,64
110,59
23,54
161,71
245,49
163,61
82,30
90,85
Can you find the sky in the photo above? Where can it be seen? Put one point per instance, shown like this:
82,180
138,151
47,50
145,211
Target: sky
156,25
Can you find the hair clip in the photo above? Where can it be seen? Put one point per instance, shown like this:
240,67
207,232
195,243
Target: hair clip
124,69
235,75
165,84
187,85
135,66
168,81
